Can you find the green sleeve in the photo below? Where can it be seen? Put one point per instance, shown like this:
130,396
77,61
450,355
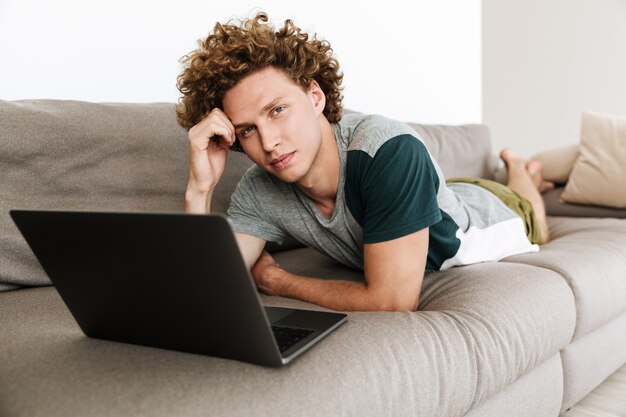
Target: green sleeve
393,193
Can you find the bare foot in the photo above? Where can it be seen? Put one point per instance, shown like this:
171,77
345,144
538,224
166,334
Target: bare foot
535,170
511,159
533,167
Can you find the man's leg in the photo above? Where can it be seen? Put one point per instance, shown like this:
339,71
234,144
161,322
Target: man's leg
526,178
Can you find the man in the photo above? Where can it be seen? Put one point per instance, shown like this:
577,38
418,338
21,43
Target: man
362,189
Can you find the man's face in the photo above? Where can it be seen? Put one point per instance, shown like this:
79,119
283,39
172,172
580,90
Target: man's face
277,122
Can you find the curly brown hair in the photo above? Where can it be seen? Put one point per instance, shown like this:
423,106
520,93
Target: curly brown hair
231,52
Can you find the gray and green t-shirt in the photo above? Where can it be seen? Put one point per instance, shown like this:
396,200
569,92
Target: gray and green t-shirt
389,187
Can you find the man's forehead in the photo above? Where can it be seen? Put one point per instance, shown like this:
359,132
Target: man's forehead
257,92
246,106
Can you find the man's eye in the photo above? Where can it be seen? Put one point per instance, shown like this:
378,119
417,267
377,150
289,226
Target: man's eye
247,130
278,109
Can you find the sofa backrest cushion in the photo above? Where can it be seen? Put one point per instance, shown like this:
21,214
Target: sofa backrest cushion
63,154
460,151
74,155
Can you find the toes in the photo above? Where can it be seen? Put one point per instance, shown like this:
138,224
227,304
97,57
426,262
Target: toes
546,186
506,154
512,160
534,167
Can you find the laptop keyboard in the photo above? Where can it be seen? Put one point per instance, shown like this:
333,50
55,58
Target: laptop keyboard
286,337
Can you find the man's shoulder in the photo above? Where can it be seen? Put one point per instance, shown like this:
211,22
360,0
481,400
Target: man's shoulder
368,132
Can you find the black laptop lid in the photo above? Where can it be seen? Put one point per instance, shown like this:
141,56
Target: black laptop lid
98,263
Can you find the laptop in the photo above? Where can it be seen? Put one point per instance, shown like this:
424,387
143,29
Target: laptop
172,281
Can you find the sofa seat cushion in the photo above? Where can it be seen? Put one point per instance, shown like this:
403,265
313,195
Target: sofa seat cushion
479,327
591,256
482,327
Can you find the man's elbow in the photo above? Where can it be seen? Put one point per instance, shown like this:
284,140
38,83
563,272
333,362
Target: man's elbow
395,303
400,306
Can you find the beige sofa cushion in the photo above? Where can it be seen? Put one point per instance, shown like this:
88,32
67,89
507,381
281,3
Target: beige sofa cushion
74,155
84,156
460,151
589,254
599,174
482,327
555,206
558,162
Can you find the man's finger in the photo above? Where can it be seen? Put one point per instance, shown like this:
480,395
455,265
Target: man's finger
226,123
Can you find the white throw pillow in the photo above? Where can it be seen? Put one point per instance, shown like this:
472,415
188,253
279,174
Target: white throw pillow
599,174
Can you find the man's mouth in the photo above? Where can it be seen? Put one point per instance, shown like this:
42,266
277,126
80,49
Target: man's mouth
282,160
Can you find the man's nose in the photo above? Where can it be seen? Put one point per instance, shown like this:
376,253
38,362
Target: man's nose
270,138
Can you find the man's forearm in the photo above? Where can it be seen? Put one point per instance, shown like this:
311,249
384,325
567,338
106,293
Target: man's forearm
197,202
334,294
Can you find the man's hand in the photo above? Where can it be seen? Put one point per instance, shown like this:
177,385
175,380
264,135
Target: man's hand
268,275
207,159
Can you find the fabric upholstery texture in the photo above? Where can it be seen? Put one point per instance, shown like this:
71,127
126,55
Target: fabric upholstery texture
599,174
461,151
439,361
591,359
595,274
558,162
510,338
556,207
540,391
84,156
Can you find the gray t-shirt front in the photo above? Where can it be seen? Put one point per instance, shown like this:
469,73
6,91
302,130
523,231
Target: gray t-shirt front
389,187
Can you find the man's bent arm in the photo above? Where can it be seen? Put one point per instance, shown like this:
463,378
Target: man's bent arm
394,271
197,202
200,203
251,248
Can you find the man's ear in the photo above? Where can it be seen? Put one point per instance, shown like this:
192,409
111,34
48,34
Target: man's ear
317,96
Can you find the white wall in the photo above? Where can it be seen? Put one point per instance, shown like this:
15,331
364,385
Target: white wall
414,61
544,62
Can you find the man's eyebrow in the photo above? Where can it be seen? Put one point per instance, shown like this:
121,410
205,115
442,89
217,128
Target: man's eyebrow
272,103
265,108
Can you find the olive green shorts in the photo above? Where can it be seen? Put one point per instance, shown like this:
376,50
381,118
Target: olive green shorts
514,201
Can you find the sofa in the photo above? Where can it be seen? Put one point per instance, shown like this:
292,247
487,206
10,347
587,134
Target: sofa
528,336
